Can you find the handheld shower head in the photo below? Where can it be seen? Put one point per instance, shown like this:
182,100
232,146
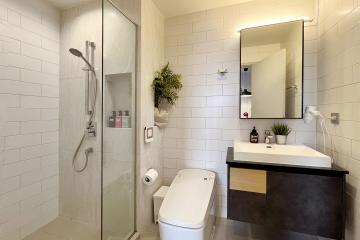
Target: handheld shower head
75,52
78,53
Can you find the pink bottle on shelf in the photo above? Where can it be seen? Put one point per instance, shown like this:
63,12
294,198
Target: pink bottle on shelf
118,120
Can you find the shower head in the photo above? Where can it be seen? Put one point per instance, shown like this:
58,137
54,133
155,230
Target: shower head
79,54
75,52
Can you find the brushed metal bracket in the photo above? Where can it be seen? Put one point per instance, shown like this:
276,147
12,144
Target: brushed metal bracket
335,118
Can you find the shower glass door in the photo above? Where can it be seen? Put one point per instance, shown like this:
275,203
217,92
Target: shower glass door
118,178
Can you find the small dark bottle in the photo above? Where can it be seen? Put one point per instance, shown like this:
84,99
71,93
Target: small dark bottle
112,121
254,136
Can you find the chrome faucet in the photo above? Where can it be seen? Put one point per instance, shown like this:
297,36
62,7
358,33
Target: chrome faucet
268,138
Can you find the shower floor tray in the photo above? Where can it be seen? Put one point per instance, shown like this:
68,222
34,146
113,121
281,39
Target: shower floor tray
65,229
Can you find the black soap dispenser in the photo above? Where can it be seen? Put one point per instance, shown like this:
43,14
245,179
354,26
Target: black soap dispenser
254,136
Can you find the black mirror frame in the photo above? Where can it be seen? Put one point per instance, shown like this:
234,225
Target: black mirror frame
302,87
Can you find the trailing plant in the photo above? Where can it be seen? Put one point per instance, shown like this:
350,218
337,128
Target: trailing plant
281,129
166,86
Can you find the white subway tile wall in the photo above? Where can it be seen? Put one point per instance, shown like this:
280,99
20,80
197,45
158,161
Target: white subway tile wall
29,116
205,121
79,194
150,154
338,91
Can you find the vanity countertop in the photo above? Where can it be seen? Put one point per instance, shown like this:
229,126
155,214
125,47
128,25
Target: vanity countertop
335,170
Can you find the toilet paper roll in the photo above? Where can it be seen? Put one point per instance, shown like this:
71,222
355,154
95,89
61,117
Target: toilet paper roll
150,177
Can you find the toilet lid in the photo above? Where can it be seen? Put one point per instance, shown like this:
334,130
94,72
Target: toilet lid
188,199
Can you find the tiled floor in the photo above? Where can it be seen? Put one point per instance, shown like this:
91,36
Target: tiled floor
233,230
64,229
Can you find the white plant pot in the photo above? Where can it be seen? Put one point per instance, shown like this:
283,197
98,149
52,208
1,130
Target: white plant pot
281,139
161,117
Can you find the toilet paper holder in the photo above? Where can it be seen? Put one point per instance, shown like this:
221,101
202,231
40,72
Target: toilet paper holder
150,177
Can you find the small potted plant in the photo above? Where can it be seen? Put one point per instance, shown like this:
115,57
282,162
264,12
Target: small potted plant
166,86
281,131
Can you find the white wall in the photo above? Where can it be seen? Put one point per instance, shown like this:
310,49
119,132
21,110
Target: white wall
206,121
152,58
29,102
338,91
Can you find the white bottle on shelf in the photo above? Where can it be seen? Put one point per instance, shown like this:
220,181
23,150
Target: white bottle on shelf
125,119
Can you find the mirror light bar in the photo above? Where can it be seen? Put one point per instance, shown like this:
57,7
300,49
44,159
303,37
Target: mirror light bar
305,19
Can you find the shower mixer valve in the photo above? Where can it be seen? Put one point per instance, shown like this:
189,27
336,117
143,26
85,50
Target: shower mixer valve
90,129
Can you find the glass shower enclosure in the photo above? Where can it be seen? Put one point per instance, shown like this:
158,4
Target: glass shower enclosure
97,188
118,135
79,180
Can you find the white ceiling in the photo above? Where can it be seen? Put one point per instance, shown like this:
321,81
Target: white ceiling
66,4
171,8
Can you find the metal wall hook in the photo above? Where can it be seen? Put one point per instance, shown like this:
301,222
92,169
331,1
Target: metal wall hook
222,72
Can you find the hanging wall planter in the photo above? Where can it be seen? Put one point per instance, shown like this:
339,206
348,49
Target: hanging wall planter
161,117
166,86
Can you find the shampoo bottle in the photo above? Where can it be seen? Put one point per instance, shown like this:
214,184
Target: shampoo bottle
118,121
126,120
112,121
254,136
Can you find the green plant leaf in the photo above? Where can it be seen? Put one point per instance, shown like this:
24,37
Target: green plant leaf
281,129
166,86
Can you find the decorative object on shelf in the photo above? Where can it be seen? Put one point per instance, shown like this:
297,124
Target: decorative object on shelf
166,86
281,131
119,119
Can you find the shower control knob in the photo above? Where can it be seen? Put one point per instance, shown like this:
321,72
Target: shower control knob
91,129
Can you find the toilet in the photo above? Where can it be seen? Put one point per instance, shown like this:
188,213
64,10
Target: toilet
188,209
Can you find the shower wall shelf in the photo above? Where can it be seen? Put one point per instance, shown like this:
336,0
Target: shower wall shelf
118,89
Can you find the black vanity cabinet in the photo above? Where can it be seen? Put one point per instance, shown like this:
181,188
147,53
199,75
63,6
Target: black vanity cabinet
287,198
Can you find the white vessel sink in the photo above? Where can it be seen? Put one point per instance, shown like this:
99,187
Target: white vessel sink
298,155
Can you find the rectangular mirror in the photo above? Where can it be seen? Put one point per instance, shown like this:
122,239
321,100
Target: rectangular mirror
271,78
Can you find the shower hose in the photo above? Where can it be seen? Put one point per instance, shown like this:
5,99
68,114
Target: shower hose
91,119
